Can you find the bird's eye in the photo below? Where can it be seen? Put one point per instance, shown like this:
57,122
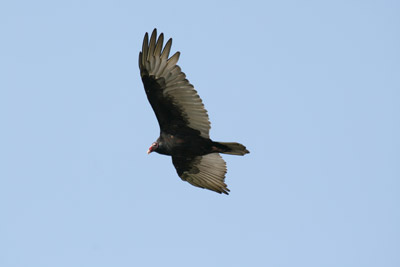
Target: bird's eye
155,144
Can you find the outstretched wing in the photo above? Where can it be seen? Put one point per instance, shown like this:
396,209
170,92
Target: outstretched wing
203,171
174,100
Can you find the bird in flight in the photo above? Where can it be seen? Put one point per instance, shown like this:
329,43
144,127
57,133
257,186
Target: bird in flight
183,120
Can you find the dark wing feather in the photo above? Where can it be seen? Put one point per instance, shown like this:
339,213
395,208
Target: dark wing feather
203,171
174,100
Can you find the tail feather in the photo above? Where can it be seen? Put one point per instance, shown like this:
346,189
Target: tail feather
233,148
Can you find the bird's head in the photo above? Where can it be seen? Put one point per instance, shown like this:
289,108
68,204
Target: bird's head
153,147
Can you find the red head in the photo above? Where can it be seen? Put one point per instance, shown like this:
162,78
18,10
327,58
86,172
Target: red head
153,147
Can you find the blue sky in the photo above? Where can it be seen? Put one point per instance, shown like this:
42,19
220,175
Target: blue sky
312,88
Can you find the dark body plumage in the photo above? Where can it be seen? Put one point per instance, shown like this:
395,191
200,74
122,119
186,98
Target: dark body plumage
184,123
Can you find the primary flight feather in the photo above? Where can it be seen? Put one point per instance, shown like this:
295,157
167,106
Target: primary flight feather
184,123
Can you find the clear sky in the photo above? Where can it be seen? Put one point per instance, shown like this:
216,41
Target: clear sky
312,88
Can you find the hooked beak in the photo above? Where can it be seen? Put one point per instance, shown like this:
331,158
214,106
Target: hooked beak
152,148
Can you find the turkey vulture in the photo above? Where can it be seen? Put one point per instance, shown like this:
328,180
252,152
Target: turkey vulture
184,124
